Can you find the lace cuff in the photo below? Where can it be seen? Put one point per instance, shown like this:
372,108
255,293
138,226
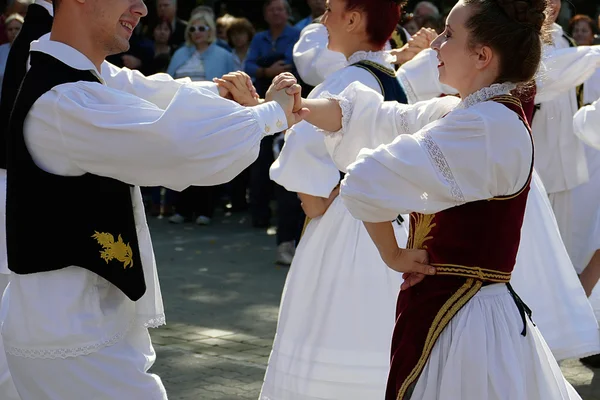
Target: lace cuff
347,106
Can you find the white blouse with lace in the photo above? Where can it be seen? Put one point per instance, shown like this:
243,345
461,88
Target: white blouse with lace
479,150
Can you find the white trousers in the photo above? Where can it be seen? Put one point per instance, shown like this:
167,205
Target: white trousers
563,211
7,387
117,372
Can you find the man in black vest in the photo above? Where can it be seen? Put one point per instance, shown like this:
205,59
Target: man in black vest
82,296
37,23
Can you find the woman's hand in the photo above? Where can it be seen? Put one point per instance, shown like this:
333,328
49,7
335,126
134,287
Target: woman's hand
237,86
315,207
286,81
412,262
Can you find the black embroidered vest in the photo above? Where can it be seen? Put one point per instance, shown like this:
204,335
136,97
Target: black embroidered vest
54,221
38,22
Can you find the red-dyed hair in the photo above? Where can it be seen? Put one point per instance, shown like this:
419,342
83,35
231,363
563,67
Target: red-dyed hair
382,18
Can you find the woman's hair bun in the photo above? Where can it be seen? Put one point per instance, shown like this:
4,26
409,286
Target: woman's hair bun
527,12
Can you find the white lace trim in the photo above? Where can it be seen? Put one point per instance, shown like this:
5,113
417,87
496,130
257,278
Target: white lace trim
66,352
153,322
486,93
408,89
347,107
439,162
63,353
380,57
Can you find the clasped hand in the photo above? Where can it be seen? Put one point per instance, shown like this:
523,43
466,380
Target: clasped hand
237,86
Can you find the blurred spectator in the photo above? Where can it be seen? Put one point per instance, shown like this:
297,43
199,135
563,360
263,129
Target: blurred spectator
270,54
14,7
582,30
200,60
423,10
167,10
13,24
161,35
433,22
140,54
597,38
223,24
203,10
239,35
271,51
410,24
317,8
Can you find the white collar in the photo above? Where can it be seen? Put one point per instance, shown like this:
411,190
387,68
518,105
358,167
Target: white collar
380,57
66,54
48,6
486,93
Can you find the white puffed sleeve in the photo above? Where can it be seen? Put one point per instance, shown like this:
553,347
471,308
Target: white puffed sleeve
564,69
586,124
473,154
420,78
313,60
368,121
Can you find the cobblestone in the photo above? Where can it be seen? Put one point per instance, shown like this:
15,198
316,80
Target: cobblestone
221,290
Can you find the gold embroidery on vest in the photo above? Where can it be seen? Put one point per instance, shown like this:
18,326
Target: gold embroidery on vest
423,223
114,250
397,39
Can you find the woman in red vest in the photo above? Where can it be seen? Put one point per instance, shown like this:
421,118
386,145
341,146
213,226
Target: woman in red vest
461,330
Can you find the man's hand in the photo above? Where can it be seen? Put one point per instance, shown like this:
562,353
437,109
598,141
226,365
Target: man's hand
412,262
131,62
237,86
277,68
417,43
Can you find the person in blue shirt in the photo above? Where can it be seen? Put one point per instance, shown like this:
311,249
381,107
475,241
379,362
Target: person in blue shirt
317,8
271,53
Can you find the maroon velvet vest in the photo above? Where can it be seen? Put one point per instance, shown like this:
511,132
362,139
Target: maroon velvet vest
470,245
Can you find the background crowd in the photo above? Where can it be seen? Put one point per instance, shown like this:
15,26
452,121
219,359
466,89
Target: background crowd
207,39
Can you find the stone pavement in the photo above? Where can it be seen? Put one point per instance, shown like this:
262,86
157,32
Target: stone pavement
221,291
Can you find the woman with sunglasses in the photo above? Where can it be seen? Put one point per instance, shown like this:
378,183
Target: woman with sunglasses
200,59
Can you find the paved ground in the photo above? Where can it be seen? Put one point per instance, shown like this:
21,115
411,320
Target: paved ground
221,291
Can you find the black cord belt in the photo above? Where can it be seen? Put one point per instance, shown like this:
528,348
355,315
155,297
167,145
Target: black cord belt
524,310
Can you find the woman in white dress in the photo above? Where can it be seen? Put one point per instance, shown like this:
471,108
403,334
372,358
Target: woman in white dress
338,305
543,275
464,333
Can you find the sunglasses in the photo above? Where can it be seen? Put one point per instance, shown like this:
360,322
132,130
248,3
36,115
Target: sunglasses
199,28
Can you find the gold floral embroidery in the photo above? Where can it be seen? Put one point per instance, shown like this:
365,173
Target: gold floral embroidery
114,250
420,229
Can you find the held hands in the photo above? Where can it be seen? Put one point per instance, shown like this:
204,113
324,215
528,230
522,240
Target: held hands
286,91
237,86
417,43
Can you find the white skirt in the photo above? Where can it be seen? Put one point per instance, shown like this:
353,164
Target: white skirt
546,281
586,214
481,355
336,317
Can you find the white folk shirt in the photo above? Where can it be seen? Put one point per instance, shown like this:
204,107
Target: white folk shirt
142,131
587,124
479,150
560,157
